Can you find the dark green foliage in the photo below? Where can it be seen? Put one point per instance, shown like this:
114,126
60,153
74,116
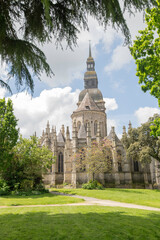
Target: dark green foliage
4,188
155,127
93,185
146,52
140,144
8,134
29,163
29,192
26,24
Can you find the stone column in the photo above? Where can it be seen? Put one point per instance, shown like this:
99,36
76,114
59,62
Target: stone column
75,144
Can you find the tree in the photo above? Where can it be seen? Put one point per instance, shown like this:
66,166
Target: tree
146,52
95,159
155,127
8,133
141,145
26,24
29,163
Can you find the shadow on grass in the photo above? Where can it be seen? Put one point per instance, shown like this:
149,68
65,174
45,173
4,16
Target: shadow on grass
129,191
79,223
71,192
50,195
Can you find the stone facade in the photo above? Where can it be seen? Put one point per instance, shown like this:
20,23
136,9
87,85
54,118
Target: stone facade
89,122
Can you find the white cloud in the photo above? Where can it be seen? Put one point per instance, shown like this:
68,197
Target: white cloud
110,104
2,92
55,105
143,114
68,65
121,55
120,58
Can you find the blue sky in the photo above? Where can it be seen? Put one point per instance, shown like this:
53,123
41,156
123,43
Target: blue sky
55,99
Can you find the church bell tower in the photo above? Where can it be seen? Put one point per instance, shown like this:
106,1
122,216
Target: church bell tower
91,106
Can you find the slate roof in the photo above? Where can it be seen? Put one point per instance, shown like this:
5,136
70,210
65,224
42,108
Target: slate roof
87,104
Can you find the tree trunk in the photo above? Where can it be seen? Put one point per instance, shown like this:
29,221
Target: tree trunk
93,176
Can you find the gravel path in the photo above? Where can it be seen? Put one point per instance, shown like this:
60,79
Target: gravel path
93,201
88,201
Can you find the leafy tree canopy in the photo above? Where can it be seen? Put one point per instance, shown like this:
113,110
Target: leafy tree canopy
8,132
95,159
26,24
28,164
140,144
146,52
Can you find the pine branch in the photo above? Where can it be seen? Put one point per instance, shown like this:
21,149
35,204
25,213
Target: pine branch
6,86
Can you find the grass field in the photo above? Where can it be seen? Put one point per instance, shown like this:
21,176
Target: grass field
137,196
78,222
41,199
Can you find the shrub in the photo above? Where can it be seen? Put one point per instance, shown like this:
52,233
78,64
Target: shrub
93,185
27,185
4,188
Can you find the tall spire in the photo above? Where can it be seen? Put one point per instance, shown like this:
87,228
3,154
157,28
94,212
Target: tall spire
90,76
90,54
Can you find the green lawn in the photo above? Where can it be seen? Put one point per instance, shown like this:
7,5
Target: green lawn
78,222
41,199
136,196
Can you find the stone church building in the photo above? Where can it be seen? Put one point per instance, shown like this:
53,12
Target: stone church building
89,122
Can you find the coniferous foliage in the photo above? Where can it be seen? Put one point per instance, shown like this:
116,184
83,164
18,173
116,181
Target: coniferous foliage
26,24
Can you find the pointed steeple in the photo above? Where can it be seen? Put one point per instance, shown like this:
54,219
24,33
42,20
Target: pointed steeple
90,54
48,128
90,77
112,136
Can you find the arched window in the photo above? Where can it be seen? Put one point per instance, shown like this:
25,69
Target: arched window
136,166
95,127
60,162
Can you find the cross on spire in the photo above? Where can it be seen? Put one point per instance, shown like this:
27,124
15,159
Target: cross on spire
90,54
